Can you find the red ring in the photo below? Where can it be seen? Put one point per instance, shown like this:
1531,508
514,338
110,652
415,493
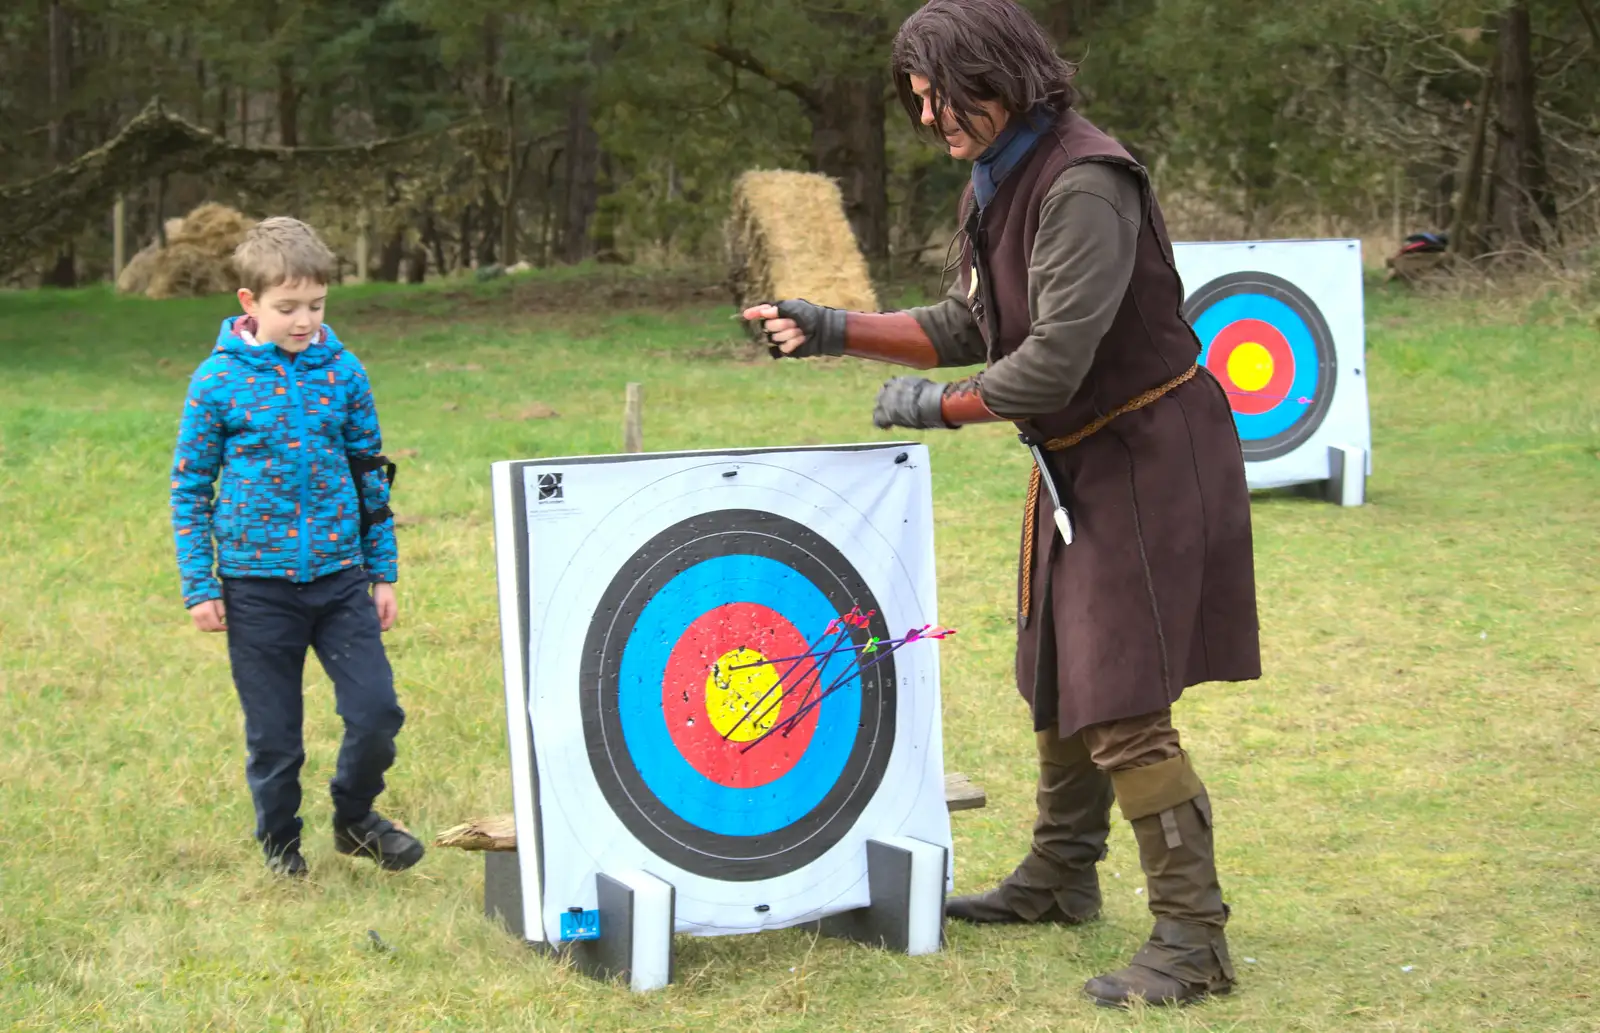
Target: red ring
1274,392
740,765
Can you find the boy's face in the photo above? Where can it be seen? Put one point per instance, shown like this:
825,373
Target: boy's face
287,315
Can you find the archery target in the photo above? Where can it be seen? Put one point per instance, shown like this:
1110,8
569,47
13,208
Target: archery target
1280,328
693,705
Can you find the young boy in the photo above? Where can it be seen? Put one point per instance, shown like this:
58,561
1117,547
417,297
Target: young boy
301,525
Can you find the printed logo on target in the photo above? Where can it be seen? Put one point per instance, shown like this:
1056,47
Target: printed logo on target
549,488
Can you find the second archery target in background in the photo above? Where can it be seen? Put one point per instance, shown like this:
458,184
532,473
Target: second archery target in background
1281,329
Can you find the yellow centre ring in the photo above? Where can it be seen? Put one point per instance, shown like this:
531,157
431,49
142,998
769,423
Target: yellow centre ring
1250,366
743,701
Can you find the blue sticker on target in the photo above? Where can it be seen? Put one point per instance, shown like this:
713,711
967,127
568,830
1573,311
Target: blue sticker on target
578,924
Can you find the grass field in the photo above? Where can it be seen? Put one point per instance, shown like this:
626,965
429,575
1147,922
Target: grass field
1408,825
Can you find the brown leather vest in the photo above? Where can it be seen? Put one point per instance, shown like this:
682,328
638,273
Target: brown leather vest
1148,343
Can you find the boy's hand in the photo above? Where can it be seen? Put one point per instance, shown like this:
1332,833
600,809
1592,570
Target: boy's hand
388,606
209,615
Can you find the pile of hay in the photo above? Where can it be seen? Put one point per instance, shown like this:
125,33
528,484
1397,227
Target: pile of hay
787,237
198,258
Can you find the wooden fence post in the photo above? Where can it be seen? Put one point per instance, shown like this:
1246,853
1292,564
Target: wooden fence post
119,240
633,420
361,245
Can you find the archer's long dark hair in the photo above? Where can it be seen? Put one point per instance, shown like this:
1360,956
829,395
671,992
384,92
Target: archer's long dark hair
978,50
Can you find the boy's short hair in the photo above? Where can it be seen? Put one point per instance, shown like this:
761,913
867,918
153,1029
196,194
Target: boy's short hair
282,250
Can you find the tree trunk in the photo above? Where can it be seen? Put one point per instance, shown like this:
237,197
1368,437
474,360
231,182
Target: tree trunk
582,174
434,239
417,266
288,105
63,272
1466,225
60,59
1523,211
605,219
489,231
389,257
549,233
202,88
508,215
847,143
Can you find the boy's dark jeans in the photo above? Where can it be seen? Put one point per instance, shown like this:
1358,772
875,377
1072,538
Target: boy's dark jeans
270,625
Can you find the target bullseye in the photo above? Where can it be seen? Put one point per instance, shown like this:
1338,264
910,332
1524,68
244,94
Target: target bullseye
1250,366
744,697
1270,348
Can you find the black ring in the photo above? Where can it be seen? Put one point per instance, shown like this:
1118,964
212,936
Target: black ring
657,827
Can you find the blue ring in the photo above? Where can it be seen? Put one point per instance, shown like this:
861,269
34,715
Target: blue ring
728,811
1302,346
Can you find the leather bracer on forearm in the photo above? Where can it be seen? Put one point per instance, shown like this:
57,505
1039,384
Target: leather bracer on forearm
889,337
962,404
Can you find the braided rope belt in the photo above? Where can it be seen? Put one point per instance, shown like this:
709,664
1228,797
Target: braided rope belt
1062,443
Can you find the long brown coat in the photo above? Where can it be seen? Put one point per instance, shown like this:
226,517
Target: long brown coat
1157,590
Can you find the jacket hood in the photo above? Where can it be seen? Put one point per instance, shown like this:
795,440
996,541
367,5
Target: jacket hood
232,339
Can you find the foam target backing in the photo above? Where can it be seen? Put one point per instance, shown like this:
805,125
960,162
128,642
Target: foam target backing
688,702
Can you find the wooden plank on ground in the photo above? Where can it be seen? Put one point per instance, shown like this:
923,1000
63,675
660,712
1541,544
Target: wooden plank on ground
962,793
499,831
494,833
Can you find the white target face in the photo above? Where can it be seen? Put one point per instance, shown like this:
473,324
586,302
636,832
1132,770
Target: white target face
697,707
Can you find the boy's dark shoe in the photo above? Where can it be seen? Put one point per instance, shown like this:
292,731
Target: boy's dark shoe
380,839
287,863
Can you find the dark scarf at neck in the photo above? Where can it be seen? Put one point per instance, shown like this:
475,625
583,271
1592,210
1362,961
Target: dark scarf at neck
1013,144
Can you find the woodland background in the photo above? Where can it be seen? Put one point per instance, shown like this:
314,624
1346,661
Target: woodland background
460,134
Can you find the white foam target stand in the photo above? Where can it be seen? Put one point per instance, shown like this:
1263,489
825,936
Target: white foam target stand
905,877
637,915
635,944
1347,475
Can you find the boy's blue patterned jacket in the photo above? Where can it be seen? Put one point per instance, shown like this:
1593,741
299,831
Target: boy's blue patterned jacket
280,430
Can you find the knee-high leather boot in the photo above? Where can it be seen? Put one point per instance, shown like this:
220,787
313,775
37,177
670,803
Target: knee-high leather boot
1056,882
1186,956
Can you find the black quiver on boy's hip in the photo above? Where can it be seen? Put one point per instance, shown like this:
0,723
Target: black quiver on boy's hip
359,468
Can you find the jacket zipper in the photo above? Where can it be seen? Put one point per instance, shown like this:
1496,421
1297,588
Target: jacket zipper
292,374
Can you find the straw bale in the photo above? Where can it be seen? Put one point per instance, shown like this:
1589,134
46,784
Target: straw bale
213,227
787,237
190,271
135,276
197,260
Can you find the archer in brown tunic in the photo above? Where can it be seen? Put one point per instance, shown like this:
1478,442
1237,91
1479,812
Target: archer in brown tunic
1069,295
